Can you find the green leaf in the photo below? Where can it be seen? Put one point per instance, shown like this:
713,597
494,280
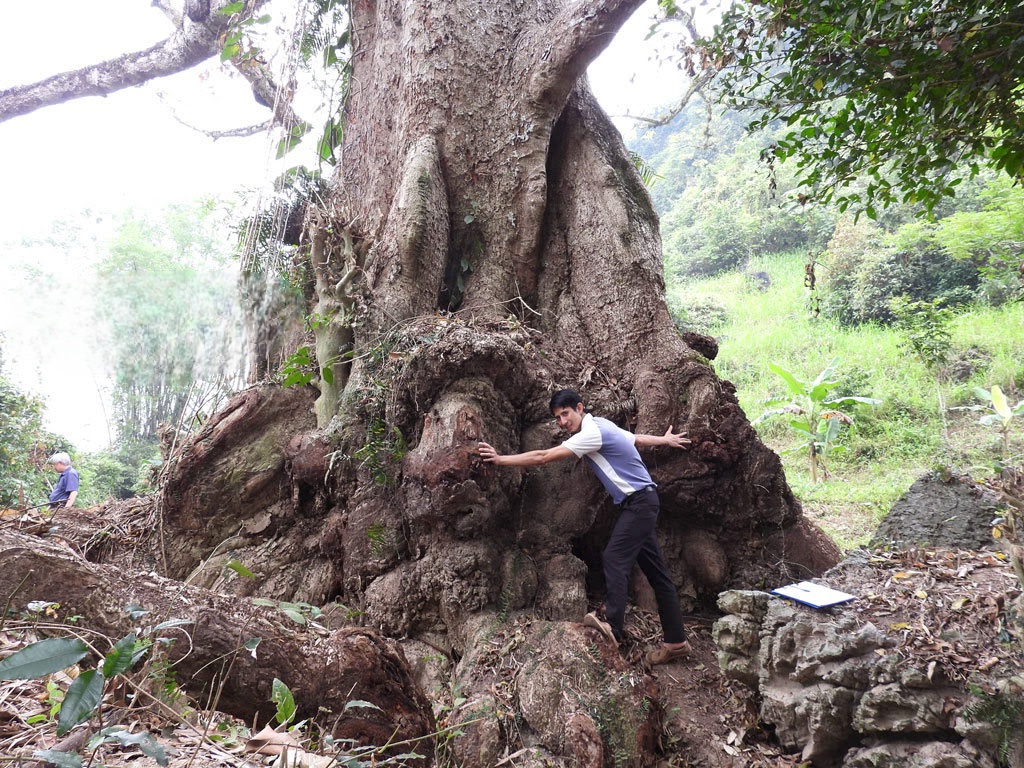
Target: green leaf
232,8
43,658
982,394
171,623
327,374
238,567
801,429
281,695
83,697
289,142
325,150
999,403
825,378
853,399
120,658
135,610
831,430
58,758
796,386
768,414
359,703
143,740
229,51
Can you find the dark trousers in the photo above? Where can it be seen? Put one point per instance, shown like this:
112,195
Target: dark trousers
634,540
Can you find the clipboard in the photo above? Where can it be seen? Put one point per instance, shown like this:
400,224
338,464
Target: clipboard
814,595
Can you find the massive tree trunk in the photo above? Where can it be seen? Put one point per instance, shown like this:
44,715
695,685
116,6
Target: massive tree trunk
486,240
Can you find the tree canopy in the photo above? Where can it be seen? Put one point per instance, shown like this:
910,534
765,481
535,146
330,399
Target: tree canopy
907,94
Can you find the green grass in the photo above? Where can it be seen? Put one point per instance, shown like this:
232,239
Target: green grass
890,445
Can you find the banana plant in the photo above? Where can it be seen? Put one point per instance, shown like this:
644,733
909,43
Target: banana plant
1001,415
812,414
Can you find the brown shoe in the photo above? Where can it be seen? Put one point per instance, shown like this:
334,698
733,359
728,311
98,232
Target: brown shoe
665,654
591,620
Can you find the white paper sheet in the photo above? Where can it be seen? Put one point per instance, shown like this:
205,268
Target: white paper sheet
814,595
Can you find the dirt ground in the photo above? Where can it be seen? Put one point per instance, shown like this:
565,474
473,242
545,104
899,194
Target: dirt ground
957,610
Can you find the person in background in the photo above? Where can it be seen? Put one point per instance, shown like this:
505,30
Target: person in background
65,491
612,454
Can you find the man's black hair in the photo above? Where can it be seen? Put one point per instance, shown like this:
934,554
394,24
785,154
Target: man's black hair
565,398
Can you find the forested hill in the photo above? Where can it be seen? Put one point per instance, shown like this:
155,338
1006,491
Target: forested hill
719,201
723,202
921,314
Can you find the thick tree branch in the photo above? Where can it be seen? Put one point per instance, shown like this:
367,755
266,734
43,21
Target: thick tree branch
231,133
265,89
192,43
324,670
578,33
697,85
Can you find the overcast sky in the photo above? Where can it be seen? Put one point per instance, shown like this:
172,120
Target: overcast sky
129,150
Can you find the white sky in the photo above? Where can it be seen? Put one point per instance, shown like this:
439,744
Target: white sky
127,150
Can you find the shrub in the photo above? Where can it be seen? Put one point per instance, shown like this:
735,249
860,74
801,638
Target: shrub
868,269
120,473
702,316
25,446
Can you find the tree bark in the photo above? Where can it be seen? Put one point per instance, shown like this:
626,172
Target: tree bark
479,178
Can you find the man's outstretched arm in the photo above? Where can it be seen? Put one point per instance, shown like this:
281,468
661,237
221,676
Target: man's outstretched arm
670,438
528,459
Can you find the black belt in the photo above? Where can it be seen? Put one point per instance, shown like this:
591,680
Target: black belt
637,493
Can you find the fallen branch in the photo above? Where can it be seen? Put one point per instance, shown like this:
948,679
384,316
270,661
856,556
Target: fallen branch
235,646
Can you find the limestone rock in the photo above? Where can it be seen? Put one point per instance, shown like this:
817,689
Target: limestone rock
834,686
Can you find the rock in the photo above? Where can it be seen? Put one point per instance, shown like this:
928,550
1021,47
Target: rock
845,692
940,510
913,754
749,602
895,709
814,718
738,641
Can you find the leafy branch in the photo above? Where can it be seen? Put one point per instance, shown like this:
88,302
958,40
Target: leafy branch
84,696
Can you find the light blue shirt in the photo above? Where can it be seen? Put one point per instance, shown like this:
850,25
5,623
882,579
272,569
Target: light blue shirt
611,453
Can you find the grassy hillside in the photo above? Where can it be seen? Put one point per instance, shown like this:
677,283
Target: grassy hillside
889,445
